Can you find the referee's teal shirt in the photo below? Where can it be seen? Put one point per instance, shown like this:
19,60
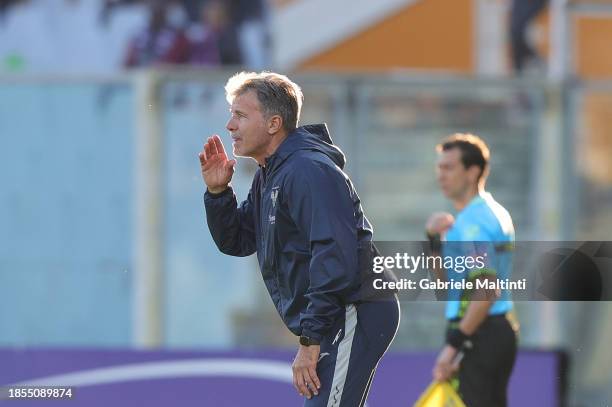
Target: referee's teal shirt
483,228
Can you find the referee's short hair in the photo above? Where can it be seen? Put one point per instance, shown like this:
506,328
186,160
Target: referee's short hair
474,150
277,94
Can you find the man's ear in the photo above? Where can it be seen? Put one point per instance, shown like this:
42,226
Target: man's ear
275,124
474,173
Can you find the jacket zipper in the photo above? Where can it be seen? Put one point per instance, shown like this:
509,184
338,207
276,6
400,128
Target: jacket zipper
263,234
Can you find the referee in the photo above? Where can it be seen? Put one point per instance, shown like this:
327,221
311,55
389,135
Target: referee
481,340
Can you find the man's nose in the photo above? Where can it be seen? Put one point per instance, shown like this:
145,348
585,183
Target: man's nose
231,125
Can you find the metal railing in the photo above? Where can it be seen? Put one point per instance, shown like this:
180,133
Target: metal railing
136,255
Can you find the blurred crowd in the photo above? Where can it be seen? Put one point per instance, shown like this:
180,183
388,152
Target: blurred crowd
93,36
102,36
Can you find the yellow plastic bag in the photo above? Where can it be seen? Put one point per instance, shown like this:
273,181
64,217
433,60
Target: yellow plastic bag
439,394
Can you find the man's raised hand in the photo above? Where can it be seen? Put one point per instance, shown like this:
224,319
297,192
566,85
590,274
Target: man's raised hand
439,222
217,169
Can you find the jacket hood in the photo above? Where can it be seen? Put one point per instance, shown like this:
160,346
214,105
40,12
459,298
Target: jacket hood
313,137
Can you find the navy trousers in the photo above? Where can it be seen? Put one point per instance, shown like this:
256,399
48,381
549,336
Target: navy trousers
350,354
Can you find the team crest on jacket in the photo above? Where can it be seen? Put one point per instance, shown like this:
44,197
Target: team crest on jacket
274,195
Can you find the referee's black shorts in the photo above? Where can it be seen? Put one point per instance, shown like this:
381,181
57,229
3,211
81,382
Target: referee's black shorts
485,370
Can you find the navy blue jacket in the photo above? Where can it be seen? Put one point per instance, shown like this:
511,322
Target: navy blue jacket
305,221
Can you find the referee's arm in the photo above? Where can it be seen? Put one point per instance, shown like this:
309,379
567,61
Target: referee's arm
437,224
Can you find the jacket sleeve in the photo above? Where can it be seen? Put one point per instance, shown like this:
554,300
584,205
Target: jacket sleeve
232,227
321,205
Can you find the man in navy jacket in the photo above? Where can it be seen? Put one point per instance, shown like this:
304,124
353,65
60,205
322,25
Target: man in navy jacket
304,220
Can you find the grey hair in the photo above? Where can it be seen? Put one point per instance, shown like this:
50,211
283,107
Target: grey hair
277,94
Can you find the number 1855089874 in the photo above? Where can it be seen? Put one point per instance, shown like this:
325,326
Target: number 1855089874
30,392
